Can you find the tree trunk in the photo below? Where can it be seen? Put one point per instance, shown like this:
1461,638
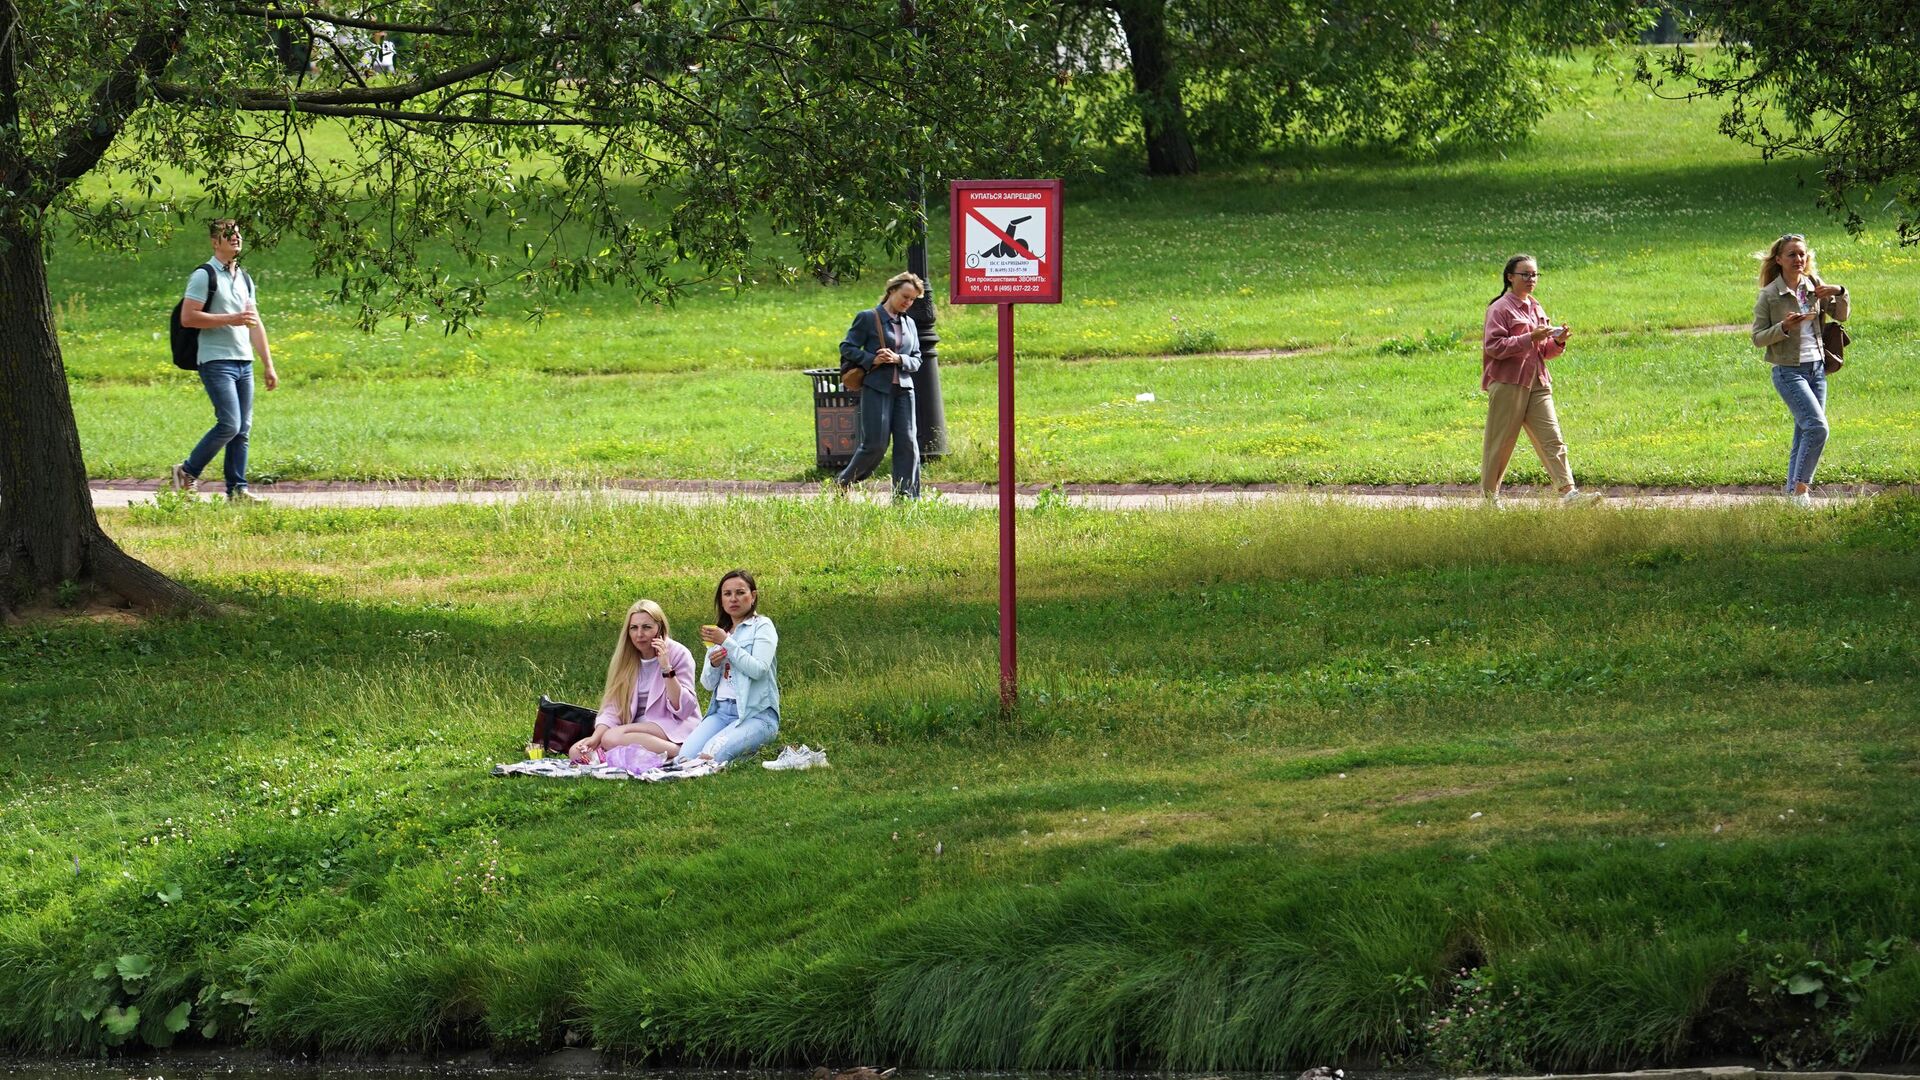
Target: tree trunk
48,532
1163,118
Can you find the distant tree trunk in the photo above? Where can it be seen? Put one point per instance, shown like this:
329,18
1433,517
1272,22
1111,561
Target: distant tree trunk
1163,118
48,532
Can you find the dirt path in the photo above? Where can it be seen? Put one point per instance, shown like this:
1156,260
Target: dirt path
319,493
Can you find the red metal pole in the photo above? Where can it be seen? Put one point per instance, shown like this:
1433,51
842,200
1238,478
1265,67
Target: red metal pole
1009,656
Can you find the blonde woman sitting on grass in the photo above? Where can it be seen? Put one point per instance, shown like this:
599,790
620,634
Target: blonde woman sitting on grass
649,706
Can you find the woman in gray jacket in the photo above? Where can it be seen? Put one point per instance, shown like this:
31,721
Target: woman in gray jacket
1788,317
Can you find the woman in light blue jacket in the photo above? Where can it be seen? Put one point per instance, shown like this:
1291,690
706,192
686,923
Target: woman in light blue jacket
741,671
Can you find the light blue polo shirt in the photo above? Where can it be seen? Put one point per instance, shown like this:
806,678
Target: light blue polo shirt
234,294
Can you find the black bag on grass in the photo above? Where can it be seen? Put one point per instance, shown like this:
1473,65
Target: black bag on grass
558,725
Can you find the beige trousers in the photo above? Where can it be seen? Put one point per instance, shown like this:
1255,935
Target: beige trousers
1510,408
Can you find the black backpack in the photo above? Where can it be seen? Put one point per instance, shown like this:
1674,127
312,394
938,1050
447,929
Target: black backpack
186,339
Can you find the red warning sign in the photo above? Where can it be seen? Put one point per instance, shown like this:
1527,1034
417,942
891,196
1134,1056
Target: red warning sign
1005,242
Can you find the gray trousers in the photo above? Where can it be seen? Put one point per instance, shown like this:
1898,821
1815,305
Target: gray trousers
884,414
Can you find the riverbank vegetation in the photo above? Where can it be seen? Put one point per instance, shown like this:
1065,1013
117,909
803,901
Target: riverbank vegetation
1287,785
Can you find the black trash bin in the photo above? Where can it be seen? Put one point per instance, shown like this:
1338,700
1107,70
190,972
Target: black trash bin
836,420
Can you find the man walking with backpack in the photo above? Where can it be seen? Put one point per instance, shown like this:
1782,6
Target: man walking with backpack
220,306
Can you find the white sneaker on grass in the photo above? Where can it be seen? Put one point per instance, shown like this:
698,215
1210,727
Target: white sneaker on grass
1576,497
1801,499
797,757
791,757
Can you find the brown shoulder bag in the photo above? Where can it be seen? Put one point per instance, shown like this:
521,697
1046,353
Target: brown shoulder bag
854,376
1834,340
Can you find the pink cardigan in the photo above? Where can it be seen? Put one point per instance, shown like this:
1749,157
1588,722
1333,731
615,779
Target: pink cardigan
1507,353
650,697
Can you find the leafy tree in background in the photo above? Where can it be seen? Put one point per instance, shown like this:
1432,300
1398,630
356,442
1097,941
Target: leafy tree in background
1837,79
1221,78
639,144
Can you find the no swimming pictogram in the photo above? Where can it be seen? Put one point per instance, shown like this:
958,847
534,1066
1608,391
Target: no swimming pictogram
1002,251
1006,236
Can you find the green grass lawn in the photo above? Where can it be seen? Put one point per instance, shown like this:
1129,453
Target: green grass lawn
1642,216
1278,775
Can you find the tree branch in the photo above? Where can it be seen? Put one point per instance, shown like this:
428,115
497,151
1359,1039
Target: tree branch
9,93
378,113
264,99
356,21
83,144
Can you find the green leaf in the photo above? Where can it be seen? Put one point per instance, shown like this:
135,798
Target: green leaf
1804,983
169,895
120,1021
176,1020
103,971
133,967
210,1029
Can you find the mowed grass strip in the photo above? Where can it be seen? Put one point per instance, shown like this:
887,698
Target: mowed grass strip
1642,216
1277,771
1636,410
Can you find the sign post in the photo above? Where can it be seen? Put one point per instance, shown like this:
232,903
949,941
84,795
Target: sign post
1005,250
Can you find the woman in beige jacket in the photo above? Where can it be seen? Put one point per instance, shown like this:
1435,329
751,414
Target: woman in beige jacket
1788,317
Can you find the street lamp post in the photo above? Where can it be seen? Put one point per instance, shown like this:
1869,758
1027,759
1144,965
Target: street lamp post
929,412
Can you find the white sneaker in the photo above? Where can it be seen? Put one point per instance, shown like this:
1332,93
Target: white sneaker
1491,501
797,757
1576,497
1801,499
182,480
791,757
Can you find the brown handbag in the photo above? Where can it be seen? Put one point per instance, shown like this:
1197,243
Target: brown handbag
854,376
1834,339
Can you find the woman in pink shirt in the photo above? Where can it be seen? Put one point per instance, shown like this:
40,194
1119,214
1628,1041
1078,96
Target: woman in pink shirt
1518,342
649,706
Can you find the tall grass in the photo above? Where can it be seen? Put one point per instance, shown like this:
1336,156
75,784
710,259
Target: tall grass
1278,775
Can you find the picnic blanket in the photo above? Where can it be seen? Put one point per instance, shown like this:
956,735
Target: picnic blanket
561,768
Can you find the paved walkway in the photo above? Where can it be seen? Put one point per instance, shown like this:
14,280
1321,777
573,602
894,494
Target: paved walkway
313,493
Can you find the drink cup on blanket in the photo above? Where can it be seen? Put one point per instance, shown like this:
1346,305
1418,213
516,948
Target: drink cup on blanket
535,751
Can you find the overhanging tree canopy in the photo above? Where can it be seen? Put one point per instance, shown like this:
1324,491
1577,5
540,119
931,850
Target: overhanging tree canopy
1219,78
619,141
1837,79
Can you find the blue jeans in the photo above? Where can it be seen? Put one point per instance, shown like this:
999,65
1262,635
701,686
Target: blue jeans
1804,388
883,414
229,385
726,736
